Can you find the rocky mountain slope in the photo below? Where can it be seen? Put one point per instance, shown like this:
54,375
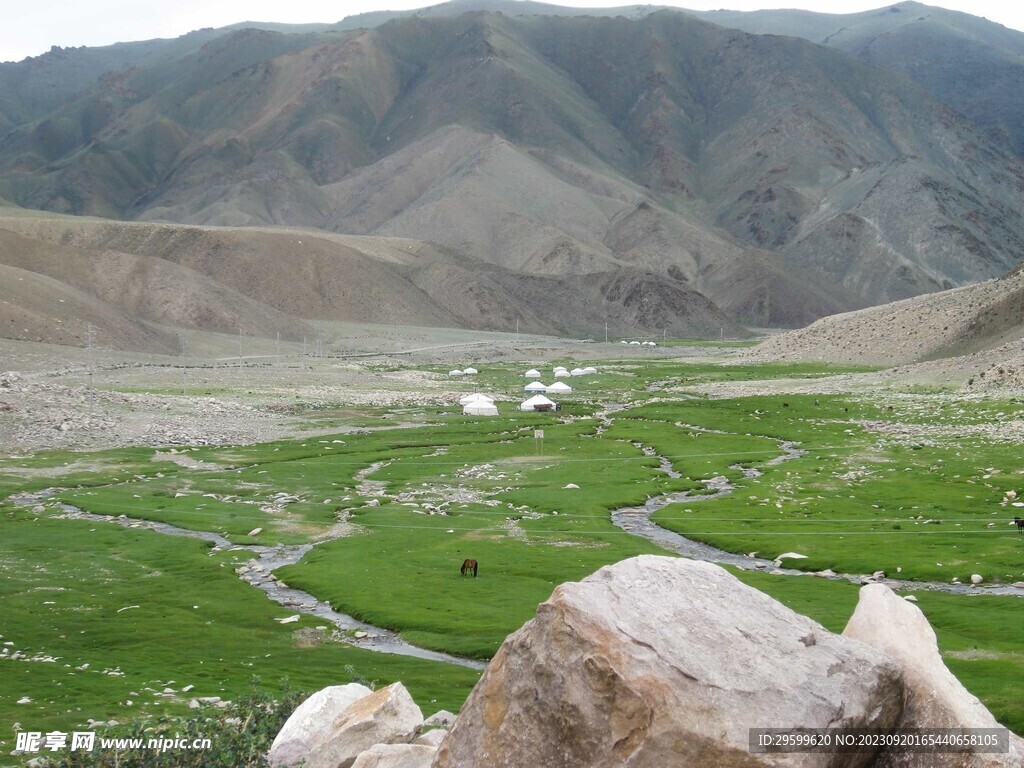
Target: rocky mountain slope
987,317
779,179
971,64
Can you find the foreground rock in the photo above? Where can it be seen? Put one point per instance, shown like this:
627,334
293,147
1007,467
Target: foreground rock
312,721
386,716
934,697
660,661
396,756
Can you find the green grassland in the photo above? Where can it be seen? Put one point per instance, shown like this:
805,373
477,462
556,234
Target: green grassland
911,483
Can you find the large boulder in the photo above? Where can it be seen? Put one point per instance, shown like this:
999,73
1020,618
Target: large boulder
312,721
386,716
660,661
934,697
396,756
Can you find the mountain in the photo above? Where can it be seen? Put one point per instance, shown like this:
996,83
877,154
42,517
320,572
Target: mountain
601,156
971,64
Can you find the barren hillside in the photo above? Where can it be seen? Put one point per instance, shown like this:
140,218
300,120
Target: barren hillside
987,317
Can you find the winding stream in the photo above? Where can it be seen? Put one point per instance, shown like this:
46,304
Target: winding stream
637,521
259,573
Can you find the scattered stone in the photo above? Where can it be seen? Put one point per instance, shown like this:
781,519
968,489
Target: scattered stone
289,619
976,578
255,532
648,663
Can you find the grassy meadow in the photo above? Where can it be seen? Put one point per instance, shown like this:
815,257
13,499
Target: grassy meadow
106,617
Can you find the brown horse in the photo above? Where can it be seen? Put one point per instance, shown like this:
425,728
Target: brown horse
469,565
1019,523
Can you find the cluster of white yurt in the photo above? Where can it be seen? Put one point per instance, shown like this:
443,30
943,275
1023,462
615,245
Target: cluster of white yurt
463,372
639,343
478,404
583,371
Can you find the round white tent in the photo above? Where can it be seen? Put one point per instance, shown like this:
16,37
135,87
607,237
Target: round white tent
536,386
533,373
480,408
470,371
559,388
456,372
475,397
578,372
538,403
590,369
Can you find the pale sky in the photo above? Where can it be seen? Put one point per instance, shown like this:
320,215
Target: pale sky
31,28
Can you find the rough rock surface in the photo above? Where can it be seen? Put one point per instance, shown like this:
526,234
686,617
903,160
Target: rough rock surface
432,738
396,756
384,717
312,721
659,661
934,697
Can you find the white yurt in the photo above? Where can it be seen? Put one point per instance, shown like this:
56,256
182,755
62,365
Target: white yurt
536,386
533,373
590,369
480,408
635,343
456,372
538,403
470,371
578,372
559,388
560,370
475,397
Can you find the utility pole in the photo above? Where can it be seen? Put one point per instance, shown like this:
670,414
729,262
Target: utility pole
279,344
303,346
239,345
605,331
90,341
184,354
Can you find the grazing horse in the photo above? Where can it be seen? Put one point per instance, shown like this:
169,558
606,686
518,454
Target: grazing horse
1020,524
467,566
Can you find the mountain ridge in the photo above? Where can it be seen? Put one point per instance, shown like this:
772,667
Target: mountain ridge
557,146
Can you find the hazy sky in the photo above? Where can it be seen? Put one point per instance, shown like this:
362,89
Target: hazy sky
37,25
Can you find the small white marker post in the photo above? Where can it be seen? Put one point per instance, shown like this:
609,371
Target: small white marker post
538,438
